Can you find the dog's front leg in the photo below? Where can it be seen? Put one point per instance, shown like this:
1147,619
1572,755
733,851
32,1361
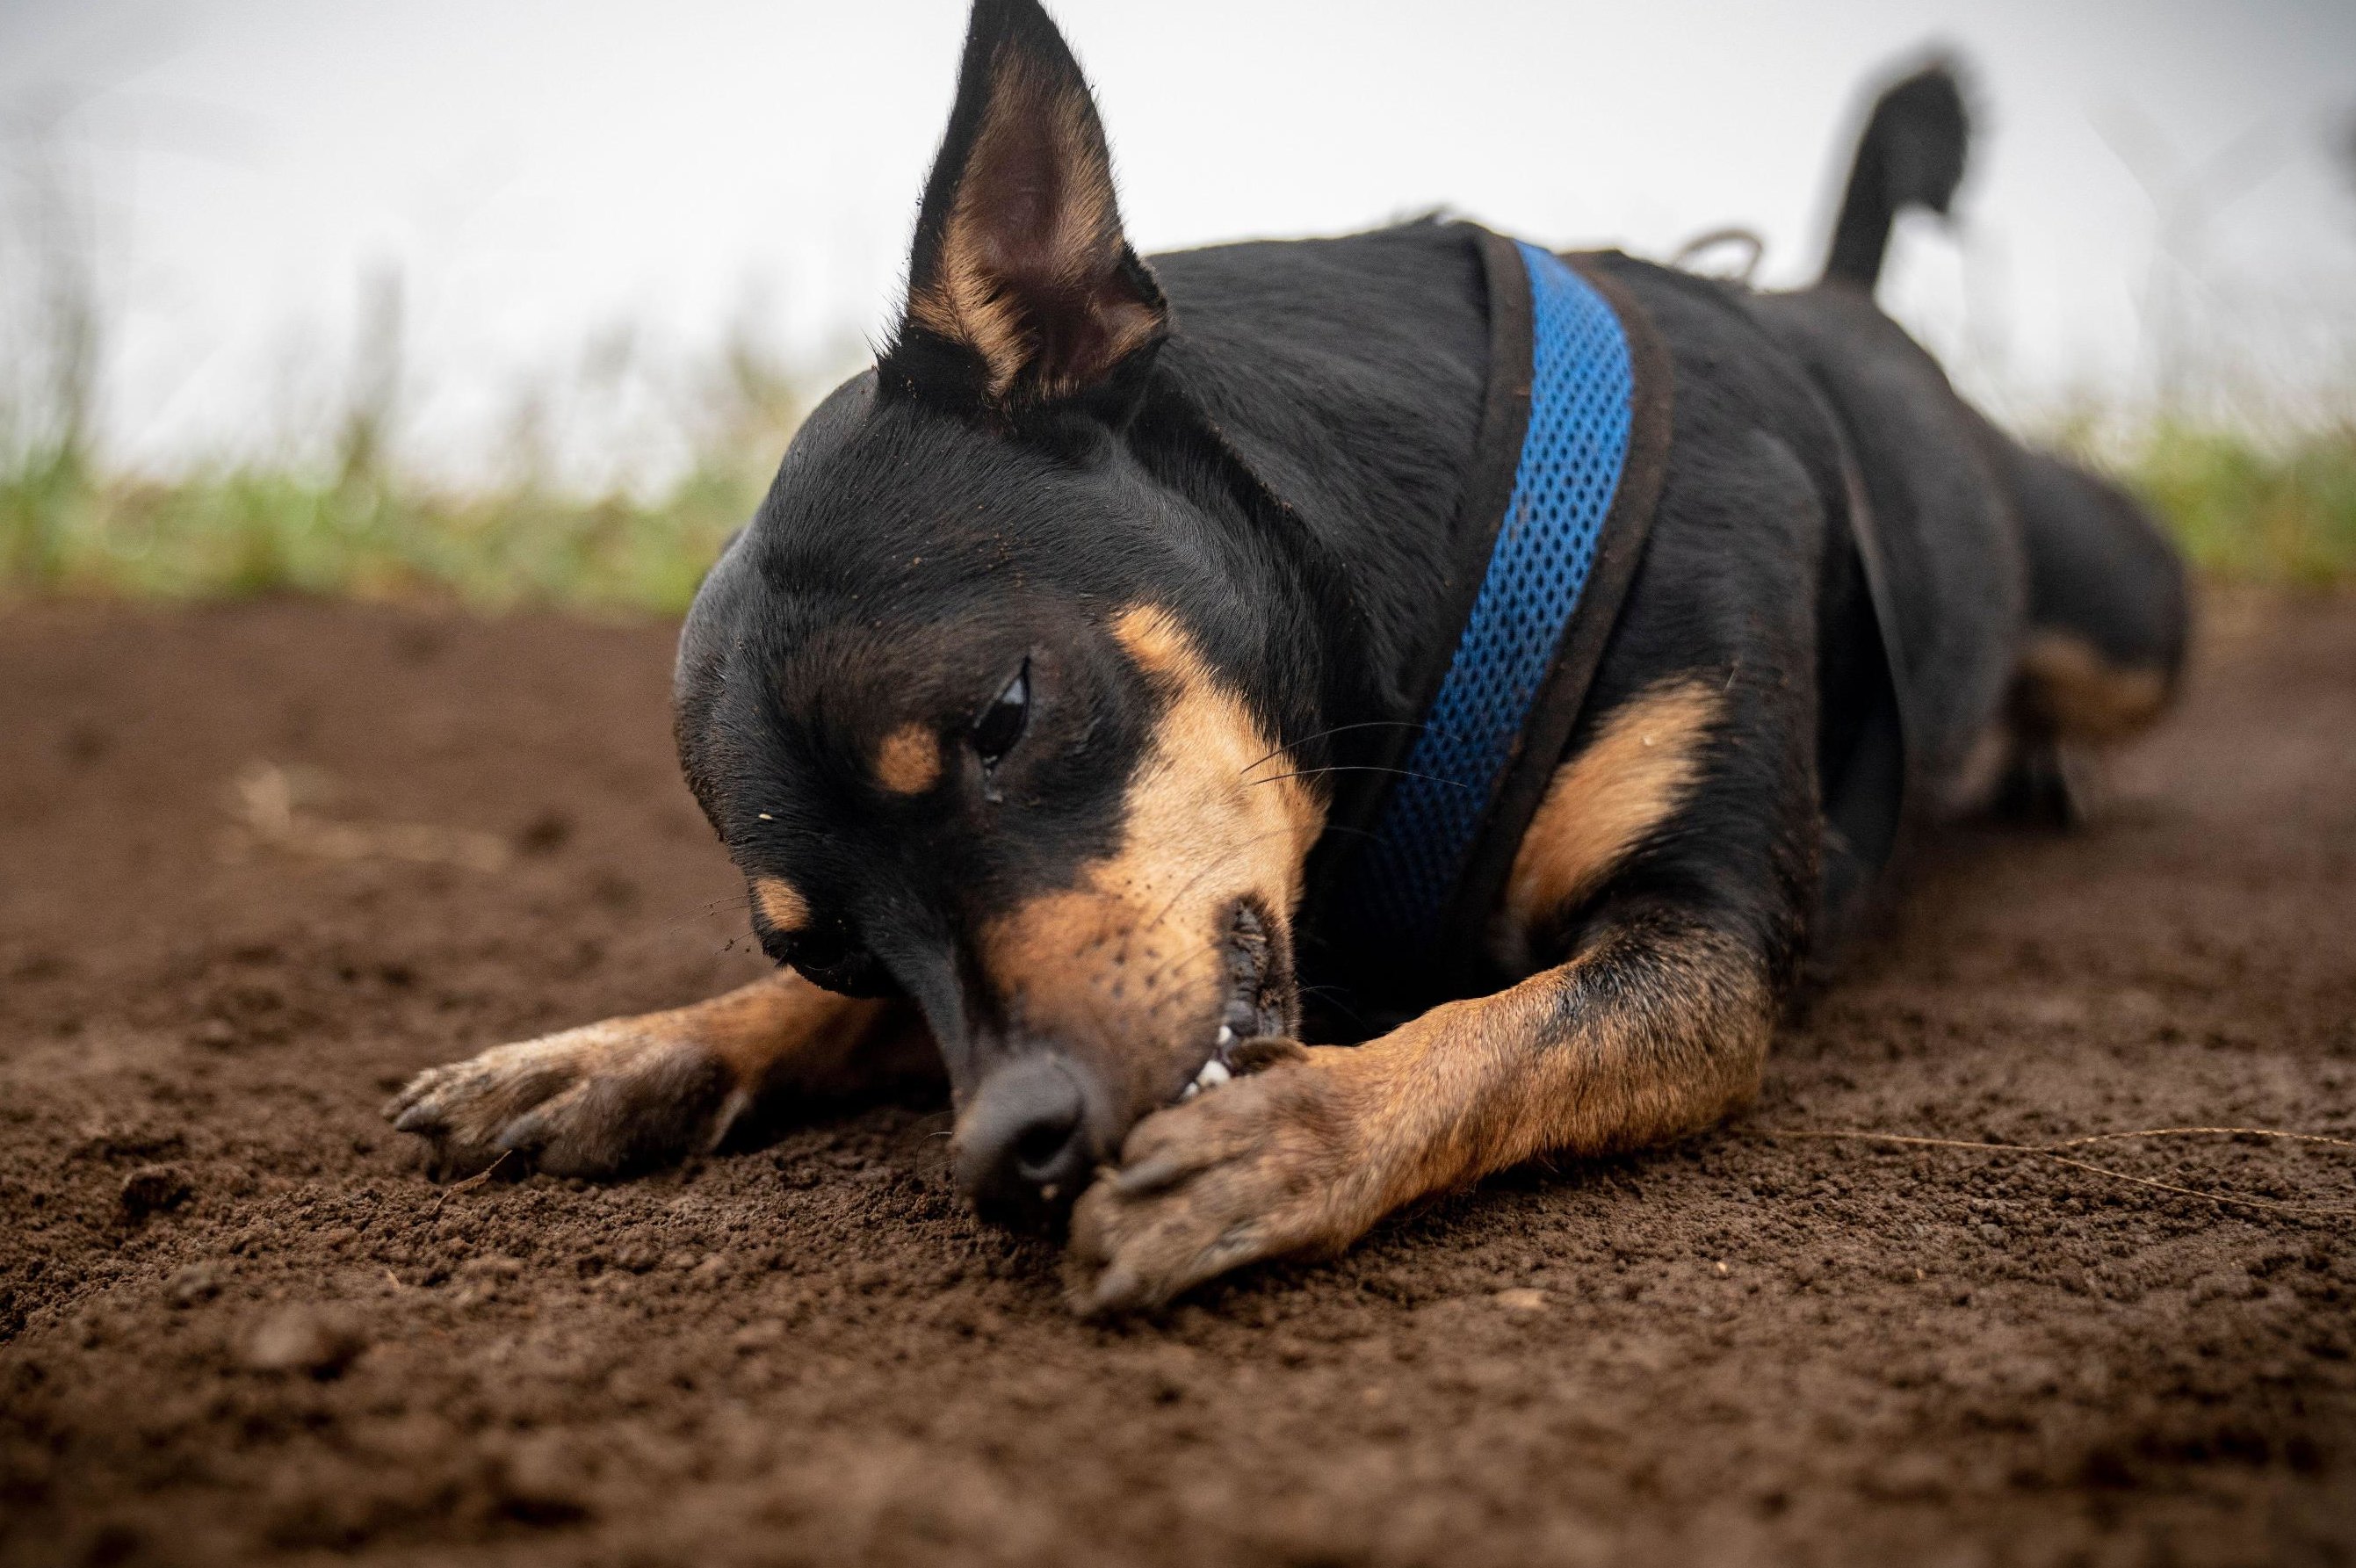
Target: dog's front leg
632,1092
1656,1028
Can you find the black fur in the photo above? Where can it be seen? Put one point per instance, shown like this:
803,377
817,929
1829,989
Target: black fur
1909,154
1281,472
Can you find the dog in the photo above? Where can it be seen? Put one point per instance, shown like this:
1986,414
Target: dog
1034,695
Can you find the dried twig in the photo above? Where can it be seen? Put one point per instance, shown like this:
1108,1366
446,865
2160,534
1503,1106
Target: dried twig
267,808
477,1179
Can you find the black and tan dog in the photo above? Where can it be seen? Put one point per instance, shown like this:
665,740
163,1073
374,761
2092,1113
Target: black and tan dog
1027,696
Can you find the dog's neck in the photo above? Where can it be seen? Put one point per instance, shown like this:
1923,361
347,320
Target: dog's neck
1347,377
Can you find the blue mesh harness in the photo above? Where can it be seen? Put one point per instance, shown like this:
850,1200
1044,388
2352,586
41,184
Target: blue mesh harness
1578,386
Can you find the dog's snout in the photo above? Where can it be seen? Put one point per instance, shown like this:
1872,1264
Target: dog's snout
1023,1141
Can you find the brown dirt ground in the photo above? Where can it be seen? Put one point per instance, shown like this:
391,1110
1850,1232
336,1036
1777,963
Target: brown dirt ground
236,1323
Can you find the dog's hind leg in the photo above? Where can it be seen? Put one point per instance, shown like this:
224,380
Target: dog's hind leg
632,1092
2109,615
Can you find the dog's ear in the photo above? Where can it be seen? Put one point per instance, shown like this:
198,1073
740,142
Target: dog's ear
1021,288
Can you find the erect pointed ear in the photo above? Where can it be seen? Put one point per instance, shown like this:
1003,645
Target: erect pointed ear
1021,288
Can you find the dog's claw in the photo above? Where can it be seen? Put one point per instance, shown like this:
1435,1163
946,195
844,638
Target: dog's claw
529,1134
731,1111
1149,1174
1116,1291
416,1118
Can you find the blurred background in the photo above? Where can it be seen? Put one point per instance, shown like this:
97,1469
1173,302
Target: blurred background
519,302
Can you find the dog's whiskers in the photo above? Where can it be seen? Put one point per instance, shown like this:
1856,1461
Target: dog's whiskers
1325,734
1363,767
1219,863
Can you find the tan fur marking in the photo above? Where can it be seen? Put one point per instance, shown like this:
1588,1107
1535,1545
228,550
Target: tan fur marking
969,301
781,1025
2067,685
909,761
1129,959
780,903
1605,802
1474,1087
1214,778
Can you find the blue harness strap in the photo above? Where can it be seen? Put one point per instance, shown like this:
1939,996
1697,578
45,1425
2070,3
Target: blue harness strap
1403,895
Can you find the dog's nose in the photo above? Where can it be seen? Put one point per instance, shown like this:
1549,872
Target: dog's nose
1023,1140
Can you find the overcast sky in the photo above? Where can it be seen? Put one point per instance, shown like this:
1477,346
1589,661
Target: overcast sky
540,173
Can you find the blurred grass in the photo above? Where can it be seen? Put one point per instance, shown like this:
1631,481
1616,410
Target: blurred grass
246,531
2249,513
2244,511
353,521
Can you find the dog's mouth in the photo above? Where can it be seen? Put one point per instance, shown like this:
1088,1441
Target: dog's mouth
1256,1010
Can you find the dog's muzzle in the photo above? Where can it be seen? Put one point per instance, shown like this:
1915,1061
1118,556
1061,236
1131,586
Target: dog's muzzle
1039,1124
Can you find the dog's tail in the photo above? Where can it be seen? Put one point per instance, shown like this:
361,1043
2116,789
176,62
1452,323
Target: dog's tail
1911,155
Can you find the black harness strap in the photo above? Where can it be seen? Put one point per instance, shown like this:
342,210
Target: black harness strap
1393,965
1564,696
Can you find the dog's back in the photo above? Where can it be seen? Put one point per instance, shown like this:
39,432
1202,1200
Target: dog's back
2031,599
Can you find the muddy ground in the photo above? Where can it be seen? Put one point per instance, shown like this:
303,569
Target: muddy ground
259,864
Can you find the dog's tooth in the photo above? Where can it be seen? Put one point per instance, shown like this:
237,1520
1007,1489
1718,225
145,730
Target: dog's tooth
1214,1073
1192,1090
1227,1037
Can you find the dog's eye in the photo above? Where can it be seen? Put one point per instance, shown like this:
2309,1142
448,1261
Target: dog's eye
1000,724
832,957
820,948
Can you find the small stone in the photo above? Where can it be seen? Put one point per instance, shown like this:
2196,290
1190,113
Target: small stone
196,1283
490,1267
758,1336
542,1481
545,834
2220,1286
319,1340
1909,1477
152,1190
1521,1300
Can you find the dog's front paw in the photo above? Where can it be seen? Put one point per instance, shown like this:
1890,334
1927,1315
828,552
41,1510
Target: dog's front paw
1259,1167
591,1101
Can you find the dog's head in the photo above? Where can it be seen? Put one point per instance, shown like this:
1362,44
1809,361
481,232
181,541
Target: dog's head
988,702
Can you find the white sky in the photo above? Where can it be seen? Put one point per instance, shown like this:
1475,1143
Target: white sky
540,173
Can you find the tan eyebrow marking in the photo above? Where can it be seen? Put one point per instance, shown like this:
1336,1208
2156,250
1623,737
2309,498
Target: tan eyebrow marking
909,761
780,904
